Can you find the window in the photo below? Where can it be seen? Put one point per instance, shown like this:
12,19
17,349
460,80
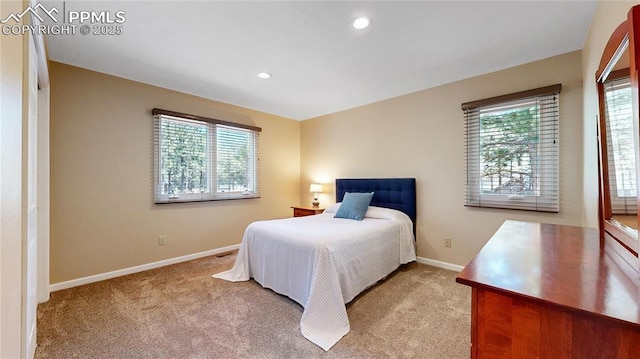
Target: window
620,145
511,148
202,159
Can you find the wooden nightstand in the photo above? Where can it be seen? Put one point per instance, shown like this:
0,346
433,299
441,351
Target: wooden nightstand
306,211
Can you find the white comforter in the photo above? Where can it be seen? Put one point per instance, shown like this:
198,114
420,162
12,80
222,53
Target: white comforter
323,262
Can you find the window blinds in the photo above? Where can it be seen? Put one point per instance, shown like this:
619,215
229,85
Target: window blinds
620,146
512,151
202,159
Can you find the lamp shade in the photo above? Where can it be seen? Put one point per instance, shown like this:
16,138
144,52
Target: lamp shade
315,187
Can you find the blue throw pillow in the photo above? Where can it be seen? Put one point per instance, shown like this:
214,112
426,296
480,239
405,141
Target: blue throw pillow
354,205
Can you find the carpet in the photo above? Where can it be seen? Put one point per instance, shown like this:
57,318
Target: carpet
179,311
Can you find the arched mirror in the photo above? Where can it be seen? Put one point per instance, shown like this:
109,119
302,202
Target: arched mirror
618,139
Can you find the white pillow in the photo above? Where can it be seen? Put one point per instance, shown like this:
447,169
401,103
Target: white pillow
372,212
383,213
332,208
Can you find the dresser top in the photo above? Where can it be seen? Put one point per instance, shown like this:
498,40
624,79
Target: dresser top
561,265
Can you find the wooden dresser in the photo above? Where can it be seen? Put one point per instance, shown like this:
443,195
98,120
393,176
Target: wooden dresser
551,291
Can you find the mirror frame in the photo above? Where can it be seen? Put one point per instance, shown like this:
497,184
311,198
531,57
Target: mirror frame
626,239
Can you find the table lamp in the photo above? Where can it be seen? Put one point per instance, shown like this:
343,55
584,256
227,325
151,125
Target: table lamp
315,188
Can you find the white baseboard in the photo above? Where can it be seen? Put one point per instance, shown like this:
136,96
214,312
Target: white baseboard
120,272
439,264
32,342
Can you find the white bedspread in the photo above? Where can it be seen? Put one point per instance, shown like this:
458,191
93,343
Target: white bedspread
323,262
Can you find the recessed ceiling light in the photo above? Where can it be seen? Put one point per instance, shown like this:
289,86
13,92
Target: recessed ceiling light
361,23
264,75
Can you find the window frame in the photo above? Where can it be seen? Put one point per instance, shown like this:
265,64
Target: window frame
547,199
213,126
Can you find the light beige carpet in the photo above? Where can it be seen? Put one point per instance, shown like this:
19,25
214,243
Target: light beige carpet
179,311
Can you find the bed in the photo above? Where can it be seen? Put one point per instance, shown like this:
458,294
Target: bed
323,262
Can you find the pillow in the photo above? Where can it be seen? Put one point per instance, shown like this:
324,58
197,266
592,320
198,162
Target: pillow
332,208
382,213
354,205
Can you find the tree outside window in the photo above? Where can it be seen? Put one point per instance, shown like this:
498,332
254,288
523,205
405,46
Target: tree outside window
509,151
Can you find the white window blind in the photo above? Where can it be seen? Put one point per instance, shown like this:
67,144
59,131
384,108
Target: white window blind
620,146
512,151
202,159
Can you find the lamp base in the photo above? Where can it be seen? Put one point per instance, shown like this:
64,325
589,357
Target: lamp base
315,203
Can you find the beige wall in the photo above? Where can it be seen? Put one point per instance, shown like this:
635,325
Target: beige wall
609,14
103,217
421,135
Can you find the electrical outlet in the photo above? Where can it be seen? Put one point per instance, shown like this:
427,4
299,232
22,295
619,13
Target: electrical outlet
161,240
447,242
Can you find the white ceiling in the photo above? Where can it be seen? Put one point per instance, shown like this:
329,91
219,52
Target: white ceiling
319,63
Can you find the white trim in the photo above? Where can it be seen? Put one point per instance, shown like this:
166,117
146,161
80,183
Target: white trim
121,272
439,264
32,342
44,193
40,51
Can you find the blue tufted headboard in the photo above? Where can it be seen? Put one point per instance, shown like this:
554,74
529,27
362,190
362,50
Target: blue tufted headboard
394,193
